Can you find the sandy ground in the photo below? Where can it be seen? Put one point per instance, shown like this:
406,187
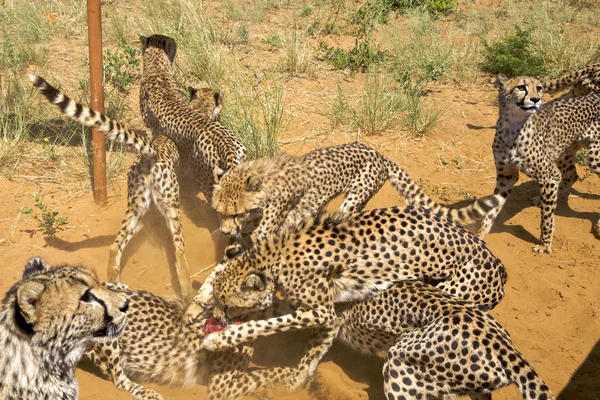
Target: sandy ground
551,304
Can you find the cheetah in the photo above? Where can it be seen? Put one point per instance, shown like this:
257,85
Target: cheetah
212,148
206,101
48,319
582,81
259,198
338,259
158,346
435,345
541,142
151,178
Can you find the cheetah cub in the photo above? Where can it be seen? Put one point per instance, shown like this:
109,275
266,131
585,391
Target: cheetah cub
157,346
541,142
48,319
260,198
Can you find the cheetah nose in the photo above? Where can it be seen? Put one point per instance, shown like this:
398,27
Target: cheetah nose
125,306
535,100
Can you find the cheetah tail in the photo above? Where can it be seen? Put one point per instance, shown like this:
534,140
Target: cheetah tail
530,384
559,83
415,196
473,212
112,130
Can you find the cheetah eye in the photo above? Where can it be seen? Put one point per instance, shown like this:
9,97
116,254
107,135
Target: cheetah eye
539,88
521,88
88,297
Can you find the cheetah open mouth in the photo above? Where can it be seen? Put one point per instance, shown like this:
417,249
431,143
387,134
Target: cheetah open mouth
213,325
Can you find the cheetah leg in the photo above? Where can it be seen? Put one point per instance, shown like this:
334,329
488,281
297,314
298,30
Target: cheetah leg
566,165
168,204
594,162
319,344
488,289
301,318
412,370
506,177
549,198
360,193
106,357
229,378
138,202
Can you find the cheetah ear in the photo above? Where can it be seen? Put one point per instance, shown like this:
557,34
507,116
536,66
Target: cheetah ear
218,106
253,184
192,91
170,47
499,81
143,43
34,266
254,282
27,296
218,100
218,174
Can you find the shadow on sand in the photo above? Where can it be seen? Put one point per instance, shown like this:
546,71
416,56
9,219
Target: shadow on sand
585,382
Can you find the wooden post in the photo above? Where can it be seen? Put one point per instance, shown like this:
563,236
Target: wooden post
97,98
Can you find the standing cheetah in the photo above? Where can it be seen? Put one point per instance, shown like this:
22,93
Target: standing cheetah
583,81
151,178
47,320
157,346
542,143
338,259
211,147
261,197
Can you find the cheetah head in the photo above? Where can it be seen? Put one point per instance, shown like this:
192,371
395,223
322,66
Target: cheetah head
206,101
241,288
159,44
522,93
237,197
65,305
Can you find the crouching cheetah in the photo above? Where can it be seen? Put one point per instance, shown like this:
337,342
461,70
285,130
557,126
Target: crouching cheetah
542,143
151,178
259,198
583,81
437,346
48,319
212,148
158,346
338,259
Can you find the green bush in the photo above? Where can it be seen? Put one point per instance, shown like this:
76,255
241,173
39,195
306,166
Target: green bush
512,55
361,57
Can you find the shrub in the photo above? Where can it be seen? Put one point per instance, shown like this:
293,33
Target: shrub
512,55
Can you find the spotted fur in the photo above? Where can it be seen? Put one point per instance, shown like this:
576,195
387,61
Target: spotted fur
157,346
436,346
542,143
48,319
582,81
337,259
152,178
211,147
260,198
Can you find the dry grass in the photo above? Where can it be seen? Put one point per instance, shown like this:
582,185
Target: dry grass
228,45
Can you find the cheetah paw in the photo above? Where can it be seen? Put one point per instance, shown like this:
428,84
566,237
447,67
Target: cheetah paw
215,342
542,249
299,381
